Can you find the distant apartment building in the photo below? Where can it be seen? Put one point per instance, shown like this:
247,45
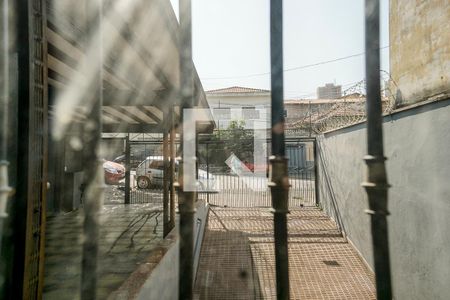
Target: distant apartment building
252,106
329,91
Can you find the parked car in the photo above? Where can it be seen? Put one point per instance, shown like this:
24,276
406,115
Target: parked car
134,161
150,173
114,172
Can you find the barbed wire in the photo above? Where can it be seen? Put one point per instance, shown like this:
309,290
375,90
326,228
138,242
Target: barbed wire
320,116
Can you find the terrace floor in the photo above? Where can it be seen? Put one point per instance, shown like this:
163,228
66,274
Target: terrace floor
237,257
128,234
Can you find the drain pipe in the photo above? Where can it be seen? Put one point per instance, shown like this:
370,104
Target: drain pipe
279,182
376,185
5,189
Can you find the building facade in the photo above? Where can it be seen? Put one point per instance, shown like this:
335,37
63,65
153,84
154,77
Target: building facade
249,105
329,91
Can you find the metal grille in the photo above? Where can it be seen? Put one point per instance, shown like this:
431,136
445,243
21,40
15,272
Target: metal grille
37,154
144,154
231,190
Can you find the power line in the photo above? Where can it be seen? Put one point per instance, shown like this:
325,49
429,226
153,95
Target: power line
293,68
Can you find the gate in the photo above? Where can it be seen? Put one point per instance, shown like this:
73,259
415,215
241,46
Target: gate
228,189
146,171
32,152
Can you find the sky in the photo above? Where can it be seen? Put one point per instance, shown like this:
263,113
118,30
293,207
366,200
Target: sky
231,43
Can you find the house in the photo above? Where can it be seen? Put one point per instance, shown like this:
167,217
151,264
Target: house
249,104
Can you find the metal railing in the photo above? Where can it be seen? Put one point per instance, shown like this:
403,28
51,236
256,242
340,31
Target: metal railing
286,177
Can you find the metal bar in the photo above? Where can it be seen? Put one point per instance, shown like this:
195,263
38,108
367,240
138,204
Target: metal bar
376,185
280,180
5,79
5,189
185,198
93,171
207,173
166,170
127,169
29,205
172,169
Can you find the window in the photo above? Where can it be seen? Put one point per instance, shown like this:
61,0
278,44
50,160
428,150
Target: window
222,113
250,113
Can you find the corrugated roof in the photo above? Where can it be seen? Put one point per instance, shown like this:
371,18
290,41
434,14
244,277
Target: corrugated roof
237,90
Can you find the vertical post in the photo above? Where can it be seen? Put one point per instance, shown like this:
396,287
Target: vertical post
280,181
4,79
316,171
376,185
93,173
5,189
172,169
29,205
310,119
166,170
185,198
127,170
207,172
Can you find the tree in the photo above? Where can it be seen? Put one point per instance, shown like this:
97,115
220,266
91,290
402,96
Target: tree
234,140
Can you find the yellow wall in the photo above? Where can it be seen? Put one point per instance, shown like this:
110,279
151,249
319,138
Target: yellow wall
420,50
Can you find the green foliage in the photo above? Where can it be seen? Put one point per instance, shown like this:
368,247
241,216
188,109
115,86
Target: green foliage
234,140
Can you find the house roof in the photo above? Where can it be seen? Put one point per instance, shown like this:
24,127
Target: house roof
236,90
323,101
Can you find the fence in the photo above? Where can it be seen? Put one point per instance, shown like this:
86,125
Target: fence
228,189
323,115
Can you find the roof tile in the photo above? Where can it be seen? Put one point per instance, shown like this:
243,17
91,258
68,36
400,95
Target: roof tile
237,90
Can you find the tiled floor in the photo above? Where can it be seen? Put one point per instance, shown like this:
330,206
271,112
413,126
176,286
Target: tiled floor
127,235
237,259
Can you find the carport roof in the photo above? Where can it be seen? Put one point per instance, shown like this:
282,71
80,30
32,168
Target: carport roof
140,73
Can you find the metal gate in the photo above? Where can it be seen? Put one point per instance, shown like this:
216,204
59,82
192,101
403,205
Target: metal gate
32,154
146,171
226,188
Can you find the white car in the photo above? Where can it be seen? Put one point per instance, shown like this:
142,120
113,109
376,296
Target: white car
150,173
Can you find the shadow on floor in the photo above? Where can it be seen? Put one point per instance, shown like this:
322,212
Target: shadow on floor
322,264
226,268
128,234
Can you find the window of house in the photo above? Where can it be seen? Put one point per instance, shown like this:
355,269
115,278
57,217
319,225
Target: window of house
250,113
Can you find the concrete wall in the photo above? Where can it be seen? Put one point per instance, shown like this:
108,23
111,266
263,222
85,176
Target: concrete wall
417,143
162,283
419,49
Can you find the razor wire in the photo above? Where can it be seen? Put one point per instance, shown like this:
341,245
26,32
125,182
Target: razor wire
347,110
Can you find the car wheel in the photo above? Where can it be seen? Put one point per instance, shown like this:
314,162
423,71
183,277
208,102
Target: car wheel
143,182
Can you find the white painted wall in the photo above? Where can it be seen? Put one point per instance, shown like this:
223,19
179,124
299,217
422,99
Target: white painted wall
260,101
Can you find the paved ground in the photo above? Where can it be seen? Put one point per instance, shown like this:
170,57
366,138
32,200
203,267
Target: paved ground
237,260
127,235
115,194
